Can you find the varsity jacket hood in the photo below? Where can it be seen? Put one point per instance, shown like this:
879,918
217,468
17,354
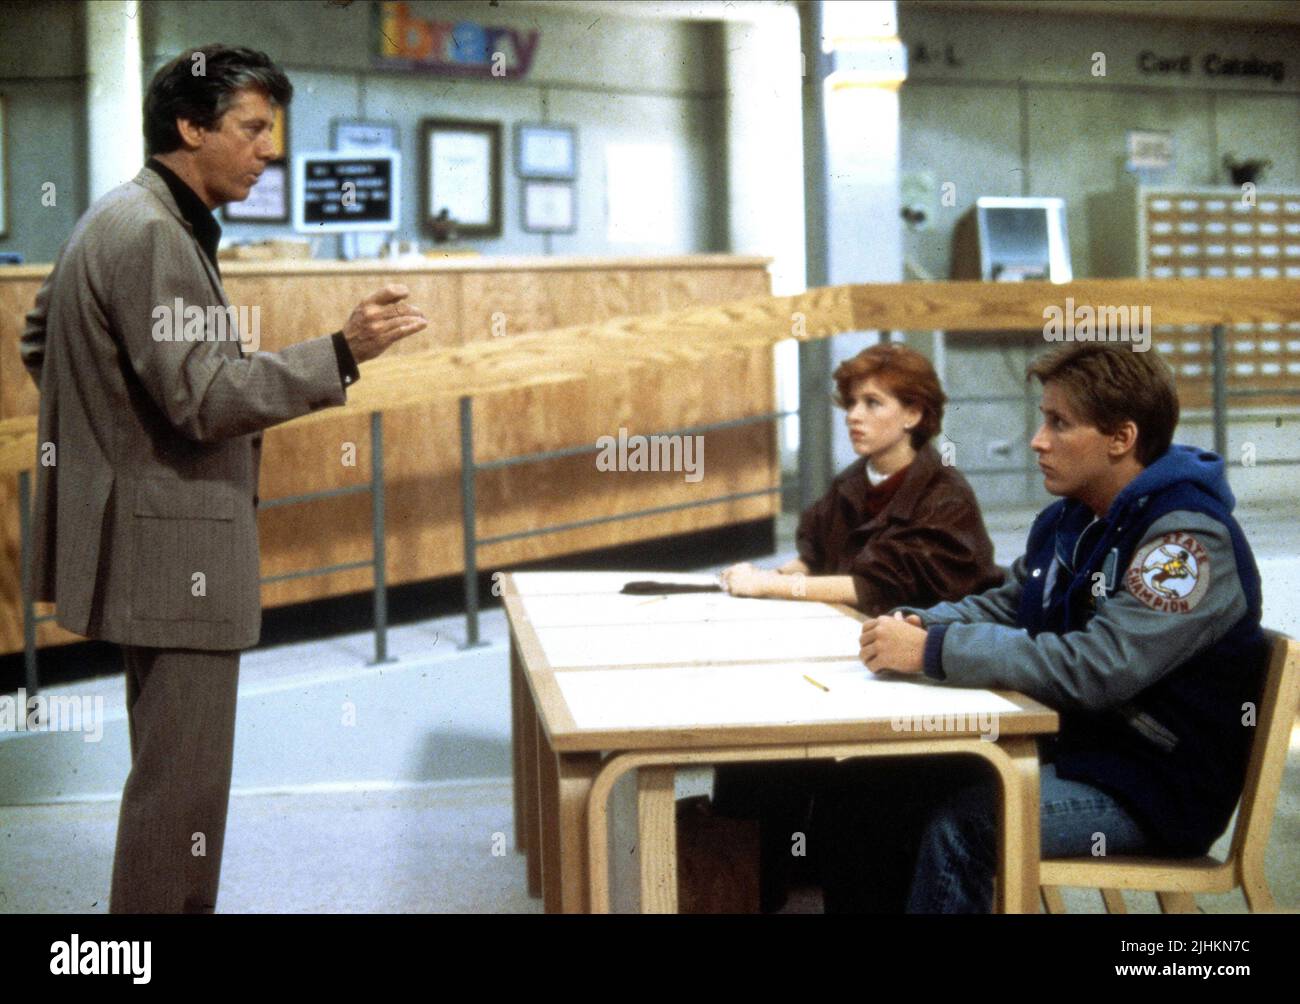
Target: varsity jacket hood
1189,465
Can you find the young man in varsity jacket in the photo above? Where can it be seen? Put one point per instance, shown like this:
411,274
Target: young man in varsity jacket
1134,613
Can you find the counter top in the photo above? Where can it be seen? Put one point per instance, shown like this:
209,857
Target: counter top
451,263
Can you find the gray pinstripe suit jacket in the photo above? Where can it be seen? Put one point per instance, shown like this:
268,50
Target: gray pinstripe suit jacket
146,530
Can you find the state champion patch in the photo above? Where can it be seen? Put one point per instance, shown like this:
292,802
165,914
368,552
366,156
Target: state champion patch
1170,574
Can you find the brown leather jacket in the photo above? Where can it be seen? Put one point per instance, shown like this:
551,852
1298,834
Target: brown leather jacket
927,545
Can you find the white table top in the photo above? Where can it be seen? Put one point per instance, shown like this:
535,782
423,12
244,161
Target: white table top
772,693
624,663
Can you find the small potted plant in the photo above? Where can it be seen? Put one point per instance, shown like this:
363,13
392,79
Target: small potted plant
1245,171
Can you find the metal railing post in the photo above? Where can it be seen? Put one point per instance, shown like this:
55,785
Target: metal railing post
1220,391
467,509
377,530
29,605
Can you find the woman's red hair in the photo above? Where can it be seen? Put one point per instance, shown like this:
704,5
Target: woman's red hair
904,373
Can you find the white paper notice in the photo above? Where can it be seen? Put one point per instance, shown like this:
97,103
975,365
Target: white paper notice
462,176
643,194
720,641
772,693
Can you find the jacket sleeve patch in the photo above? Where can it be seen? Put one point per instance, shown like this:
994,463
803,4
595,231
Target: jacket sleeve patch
1171,573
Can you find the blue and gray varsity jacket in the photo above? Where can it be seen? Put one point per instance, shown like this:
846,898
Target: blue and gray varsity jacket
1141,629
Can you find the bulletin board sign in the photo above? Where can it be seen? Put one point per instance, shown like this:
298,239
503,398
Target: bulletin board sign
344,192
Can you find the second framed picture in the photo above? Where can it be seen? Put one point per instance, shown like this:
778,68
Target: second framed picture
549,207
462,175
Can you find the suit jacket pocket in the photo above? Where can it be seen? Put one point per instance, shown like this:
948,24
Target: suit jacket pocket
185,551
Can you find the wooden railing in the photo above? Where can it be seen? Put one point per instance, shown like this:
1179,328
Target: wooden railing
694,334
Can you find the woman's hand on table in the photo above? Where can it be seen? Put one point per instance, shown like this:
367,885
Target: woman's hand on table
747,580
779,584
896,643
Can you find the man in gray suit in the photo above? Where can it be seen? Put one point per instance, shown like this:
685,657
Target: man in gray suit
146,523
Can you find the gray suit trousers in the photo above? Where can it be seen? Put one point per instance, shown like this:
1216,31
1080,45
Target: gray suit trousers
172,824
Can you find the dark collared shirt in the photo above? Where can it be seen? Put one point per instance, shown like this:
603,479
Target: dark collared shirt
207,231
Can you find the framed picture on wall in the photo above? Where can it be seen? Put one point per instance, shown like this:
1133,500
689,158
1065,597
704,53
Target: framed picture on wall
268,202
4,171
549,207
462,175
546,151
362,135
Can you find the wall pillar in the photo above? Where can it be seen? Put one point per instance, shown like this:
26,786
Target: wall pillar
114,94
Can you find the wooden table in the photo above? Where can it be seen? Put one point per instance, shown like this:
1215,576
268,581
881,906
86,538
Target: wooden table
603,684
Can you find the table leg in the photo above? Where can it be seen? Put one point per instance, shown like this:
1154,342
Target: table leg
1019,839
657,838
657,819
532,795
518,754
1015,758
565,781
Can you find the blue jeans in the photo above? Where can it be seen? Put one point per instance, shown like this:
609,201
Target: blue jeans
957,857
920,836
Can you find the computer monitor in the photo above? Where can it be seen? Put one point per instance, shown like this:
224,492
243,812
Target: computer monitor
1014,240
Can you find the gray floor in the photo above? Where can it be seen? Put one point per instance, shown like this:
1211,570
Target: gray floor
411,812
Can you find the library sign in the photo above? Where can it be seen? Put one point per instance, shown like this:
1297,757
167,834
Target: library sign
450,48
1213,64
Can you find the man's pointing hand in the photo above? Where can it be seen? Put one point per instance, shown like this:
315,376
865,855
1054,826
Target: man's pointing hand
380,320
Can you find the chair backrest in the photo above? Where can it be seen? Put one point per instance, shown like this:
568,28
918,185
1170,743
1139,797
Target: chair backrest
1275,716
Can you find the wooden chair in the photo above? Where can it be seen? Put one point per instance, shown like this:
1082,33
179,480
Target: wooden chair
1175,880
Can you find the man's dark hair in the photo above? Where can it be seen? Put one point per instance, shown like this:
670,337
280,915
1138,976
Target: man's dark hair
202,90
1109,385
